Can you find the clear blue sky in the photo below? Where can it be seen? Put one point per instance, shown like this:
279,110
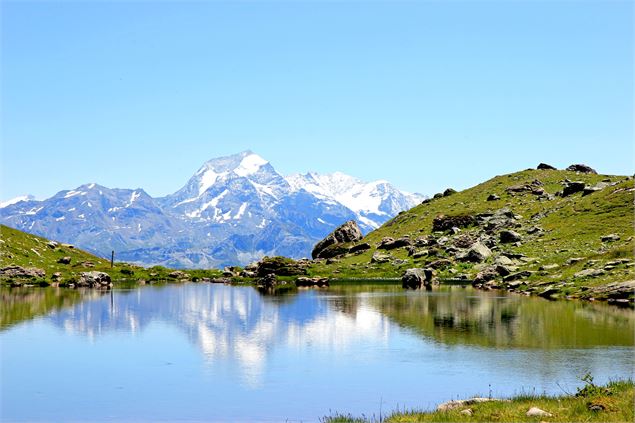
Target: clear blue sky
424,94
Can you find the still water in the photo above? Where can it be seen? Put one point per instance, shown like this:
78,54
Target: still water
201,352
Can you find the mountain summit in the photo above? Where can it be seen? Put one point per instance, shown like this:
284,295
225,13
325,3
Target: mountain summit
233,210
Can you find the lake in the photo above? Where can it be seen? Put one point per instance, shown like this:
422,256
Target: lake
205,352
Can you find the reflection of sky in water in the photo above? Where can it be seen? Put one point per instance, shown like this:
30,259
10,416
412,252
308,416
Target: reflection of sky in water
209,352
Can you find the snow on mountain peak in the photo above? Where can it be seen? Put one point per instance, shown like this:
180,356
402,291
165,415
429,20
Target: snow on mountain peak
250,164
16,200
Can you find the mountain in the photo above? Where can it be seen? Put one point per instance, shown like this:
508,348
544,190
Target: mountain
15,200
233,210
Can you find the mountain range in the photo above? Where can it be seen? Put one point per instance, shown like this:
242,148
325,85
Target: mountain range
233,210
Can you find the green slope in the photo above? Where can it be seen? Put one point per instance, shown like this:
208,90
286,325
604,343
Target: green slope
572,228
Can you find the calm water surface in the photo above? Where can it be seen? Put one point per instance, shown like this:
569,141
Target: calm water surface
219,353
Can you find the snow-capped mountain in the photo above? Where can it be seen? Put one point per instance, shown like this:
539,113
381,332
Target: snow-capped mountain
15,200
372,202
233,210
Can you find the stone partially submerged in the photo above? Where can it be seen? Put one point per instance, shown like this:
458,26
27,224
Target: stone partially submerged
348,232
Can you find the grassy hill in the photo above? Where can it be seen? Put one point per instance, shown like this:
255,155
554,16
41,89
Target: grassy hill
28,251
561,245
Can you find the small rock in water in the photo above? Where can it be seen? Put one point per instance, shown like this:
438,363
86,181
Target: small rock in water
537,412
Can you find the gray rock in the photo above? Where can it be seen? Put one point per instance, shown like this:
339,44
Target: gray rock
582,168
537,412
478,252
549,267
451,405
64,260
304,281
485,275
94,279
419,254
493,197
503,270
413,278
390,244
14,271
573,187
549,292
610,238
359,247
508,236
380,258
348,232
52,245
518,275
589,273
574,260
503,260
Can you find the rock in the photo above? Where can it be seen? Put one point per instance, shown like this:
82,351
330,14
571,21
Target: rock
380,258
533,187
177,274
390,244
503,270
493,197
582,168
56,276
485,275
444,223
268,281
463,241
64,260
574,260
467,412
537,412
477,253
439,264
616,290
545,166
52,244
502,218
534,230
437,195
610,238
303,281
549,292
87,264
549,267
449,192
348,232
508,236
281,266
503,260
94,279
573,187
413,279
451,405
333,251
247,274
588,273
359,247
519,275
419,254
70,246
14,271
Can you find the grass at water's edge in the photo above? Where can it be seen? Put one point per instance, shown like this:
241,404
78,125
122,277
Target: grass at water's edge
613,402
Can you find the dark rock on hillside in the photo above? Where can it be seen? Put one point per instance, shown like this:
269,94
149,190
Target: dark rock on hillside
508,236
485,275
359,247
64,260
14,271
519,275
390,244
545,166
348,232
610,238
493,197
534,187
477,253
582,168
446,223
438,195
449,192
332,251
571,187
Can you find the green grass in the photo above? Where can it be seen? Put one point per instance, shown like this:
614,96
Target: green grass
616,400
572,226
26,250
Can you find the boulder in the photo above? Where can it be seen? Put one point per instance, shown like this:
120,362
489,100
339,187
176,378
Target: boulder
94,279
589,273
359,247
477,253
280,266
485,275
52,244
380,258
413,279
537,412
303,281
493,197
333,251
573,187
177,274
549,292
508,236
20,272
582,168
391,244
64,260
444,223
449,192
545,166
439,264
610,238
519,275
348,232
268,281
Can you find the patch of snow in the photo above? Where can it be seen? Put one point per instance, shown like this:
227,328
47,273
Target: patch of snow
59,219
249,165
91,186
70,194
33,211
138,227
212,203
16,200
71,209
208,178
263,223
189,200
113,209
133,197
81,216
241,211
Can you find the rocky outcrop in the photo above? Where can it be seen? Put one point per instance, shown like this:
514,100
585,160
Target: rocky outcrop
348,232
304,282
359,247
545,166
390,243
508,236
417,278
20,272
444,223
493,197
610,238
280,266
582,168
572,187
94,279
477,253
177,274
